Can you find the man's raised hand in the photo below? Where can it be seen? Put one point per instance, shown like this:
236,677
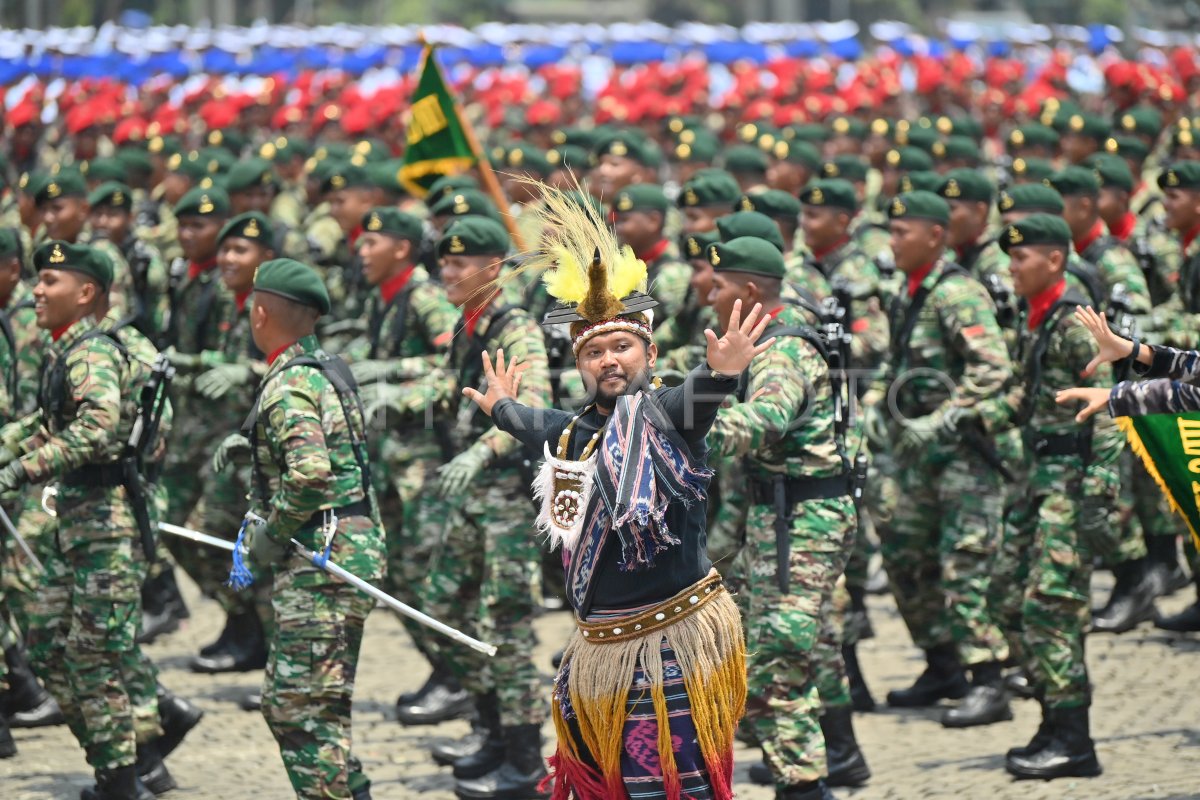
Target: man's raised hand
1112,347
733,352
502,381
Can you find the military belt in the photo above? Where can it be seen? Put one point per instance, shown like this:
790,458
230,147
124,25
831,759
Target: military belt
96,476
798,490
359,508
1060,444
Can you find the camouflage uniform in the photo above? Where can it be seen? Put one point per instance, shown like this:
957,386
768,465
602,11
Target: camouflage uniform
308,457
152,302
158,227
941,540
795,657
850,265
1178,319
871,234
667,278
1116,265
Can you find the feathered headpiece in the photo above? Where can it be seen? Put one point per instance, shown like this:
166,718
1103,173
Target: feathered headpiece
600,286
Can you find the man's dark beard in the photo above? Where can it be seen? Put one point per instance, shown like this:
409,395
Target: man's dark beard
634,383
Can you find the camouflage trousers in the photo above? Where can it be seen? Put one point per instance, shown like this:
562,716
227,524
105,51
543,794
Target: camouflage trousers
938,552
794,656
309,681
483,581
83,626
727,509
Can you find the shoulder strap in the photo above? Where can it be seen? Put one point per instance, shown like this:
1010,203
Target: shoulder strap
1066,304
204,307
805,332
1091,281
53,379
909,322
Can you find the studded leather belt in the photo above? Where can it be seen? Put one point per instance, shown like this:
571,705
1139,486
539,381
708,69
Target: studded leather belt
668,612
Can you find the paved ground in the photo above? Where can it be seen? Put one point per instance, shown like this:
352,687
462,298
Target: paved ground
1146,721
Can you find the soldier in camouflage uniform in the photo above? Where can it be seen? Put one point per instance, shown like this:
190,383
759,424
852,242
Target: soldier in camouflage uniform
866,228
707,196
639,212
82,637
783,423
312,483
1049,541
351,193
253,186
947,356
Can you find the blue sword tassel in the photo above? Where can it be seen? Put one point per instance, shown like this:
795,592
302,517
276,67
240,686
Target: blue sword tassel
240,576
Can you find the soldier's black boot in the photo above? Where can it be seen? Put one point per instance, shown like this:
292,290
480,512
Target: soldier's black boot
151,770
442,703
1186,621
1070,752
8,747
813,790
480,751
1040,739
986,701
1162,560
437,675
117,784
860,695
219,644
26,703
1018,684
943,679
847,766
162,606
858,619
176,716
1131,601
520,774
245,650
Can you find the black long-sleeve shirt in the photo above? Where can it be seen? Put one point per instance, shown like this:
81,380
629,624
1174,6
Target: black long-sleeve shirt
691,407
1170,393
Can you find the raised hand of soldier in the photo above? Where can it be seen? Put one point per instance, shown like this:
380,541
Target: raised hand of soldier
1112,347
733,352
503,381
1094,399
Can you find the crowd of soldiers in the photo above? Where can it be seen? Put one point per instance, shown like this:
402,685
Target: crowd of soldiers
921,259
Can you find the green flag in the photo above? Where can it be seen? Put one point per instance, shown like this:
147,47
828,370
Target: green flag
1169,446
437,143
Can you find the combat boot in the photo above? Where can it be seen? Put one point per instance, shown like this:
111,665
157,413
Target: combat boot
1041,738
1131,601
520,774
444,702
8,747
943,678
436,676
251,700
858,619
162,606
219,644
846,763
1070,753
176,716
1162,561
26,703
860,695
760,774
814,790
1186,621
151,770
117,784
245,650
986,701
481,750
1018,684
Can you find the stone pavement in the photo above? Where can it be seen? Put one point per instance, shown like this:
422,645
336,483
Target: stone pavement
1146,721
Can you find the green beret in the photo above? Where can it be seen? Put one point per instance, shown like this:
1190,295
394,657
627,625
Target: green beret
640,197
759,134
1036,229
966,126
371,151
189,164
347,176
284,148
775,203
1032,169
465,202
967,184
218,159
30,183
746,159
1112,171
449,184
1183,136
714,188
1033,135
333,151
10,242
749,255
1030,197
852,168
164,145
474,236
75,258
253,225
919,205
908,135
67,183
201,202
113,194
750,223
386,175
1143,120
1055,112
1181,175
1075,181
696,145
695,245
1083,124
393,222
809,132
249,173
526,158
625,144
134,159
103,169
797,152
1127,147
580,137
907,159
568,156
848,126
957,147
586,202
923,180
294,281
830,193
228,139
676,123
881,126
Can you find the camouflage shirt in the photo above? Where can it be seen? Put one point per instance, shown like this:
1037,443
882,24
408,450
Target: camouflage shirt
871,234
417,324
1117,266
198,307
849,265
668,281
23,360
1178,319
140,355
150,283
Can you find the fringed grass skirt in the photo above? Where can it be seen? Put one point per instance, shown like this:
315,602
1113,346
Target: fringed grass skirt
647,700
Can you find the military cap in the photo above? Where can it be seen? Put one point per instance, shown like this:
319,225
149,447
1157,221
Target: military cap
67,183
249,173
919,205
294,281
624,144
695,245
164,145
568,156
134,159
709,189
587,202
747,254
449,184
1183,137
907,159
797,152
1074,181
284,148
1034,169
369,151
924,180
830,193
347,176
30,183
703,146
1083,124
527,158
580,137
745,158
465,202
1112,171
809,132
228,139
103,169
201,202
852,168
966,126
760,134
189,164
393,222
1033,135
1034,230
474,236
1181,175
10,242
217,159
882,126
386,175
74,258
909,135
333,151
848,126
1143,120
1127,147
956,147
252,225
677,123
113,194
750,223
774,203
1030,197
967,184
640,197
